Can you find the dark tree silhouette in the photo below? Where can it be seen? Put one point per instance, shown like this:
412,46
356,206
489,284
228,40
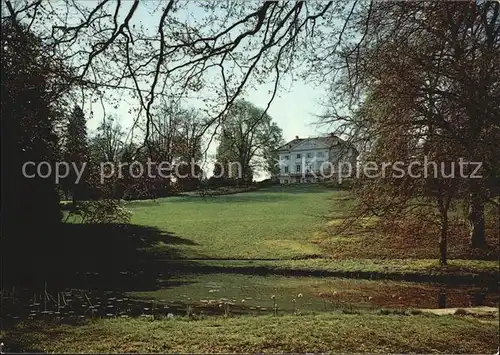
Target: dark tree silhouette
76,153
30,206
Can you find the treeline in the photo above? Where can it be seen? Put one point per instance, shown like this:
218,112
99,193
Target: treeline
120,169
247,140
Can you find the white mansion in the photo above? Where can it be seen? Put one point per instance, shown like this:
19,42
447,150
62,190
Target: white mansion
314,159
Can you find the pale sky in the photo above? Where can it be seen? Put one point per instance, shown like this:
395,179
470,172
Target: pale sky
293,109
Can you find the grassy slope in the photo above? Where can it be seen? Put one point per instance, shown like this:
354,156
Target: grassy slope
361,333
290,223
266,224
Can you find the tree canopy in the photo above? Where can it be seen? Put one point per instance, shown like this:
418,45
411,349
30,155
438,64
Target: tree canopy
248,137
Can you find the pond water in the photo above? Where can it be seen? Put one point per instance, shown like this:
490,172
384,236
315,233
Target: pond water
230,294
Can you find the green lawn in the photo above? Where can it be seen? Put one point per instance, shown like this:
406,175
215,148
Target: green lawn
327,333
290,222
275,223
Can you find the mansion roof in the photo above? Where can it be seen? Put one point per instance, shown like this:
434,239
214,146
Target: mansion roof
311,143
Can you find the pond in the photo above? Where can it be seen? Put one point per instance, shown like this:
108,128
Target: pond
230,294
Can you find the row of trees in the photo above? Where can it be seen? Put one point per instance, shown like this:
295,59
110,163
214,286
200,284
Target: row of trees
177,139
248,138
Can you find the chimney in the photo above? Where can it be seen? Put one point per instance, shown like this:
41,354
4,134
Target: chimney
296,137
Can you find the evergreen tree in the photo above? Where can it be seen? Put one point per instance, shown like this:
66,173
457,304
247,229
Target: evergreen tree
76,153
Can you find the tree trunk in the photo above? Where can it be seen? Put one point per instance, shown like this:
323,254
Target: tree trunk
443,240
443,204
476,221
442,298
498,230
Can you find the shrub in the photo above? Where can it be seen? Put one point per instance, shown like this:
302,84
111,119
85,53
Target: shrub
102,211
267,183
334,184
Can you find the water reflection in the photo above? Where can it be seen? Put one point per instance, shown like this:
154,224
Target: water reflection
24,304
442,299
475,299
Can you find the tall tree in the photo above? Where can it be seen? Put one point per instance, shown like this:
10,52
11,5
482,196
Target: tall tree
430,69
76,152
248,137
108,142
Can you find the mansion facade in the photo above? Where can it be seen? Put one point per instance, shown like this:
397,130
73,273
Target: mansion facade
308,160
